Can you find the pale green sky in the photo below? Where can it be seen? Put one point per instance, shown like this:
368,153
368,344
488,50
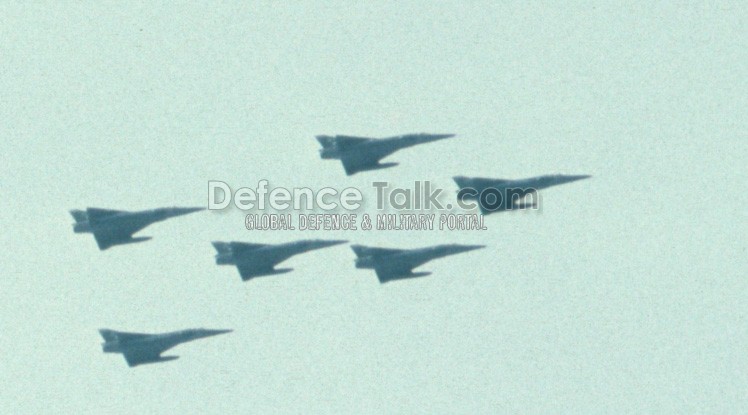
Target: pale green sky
626,294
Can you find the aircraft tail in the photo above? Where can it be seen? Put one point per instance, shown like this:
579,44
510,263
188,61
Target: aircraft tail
360,250
108,335
79,215
222,247
463,182
326,141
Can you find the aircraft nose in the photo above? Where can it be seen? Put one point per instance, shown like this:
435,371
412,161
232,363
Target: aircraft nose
441,136
184,211
191,209
216,332
472,247
466,248
333,242
573,178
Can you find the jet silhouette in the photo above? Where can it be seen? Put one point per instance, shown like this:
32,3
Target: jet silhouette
360,153
255,260
115,227
496,195
141,348
395,264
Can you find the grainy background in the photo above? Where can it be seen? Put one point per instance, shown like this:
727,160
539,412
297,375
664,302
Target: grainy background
626,294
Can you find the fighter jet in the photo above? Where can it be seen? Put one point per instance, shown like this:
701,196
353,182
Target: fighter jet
255,260
496,195
362,153
396,264
141,348
115,227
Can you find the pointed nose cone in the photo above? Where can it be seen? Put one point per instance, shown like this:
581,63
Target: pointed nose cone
434,137
561,179
325,244
209,332
179,211
467,248
452,249
184,211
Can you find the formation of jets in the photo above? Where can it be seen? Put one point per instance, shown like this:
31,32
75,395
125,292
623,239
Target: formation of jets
357,154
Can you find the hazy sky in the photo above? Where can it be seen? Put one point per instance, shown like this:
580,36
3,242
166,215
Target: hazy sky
626,294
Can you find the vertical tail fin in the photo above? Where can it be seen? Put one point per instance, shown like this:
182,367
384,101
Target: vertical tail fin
79,215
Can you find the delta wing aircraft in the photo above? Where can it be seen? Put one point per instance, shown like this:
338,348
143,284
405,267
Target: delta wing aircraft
115,227
255,260
395,264
362,153
497,195
142,348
